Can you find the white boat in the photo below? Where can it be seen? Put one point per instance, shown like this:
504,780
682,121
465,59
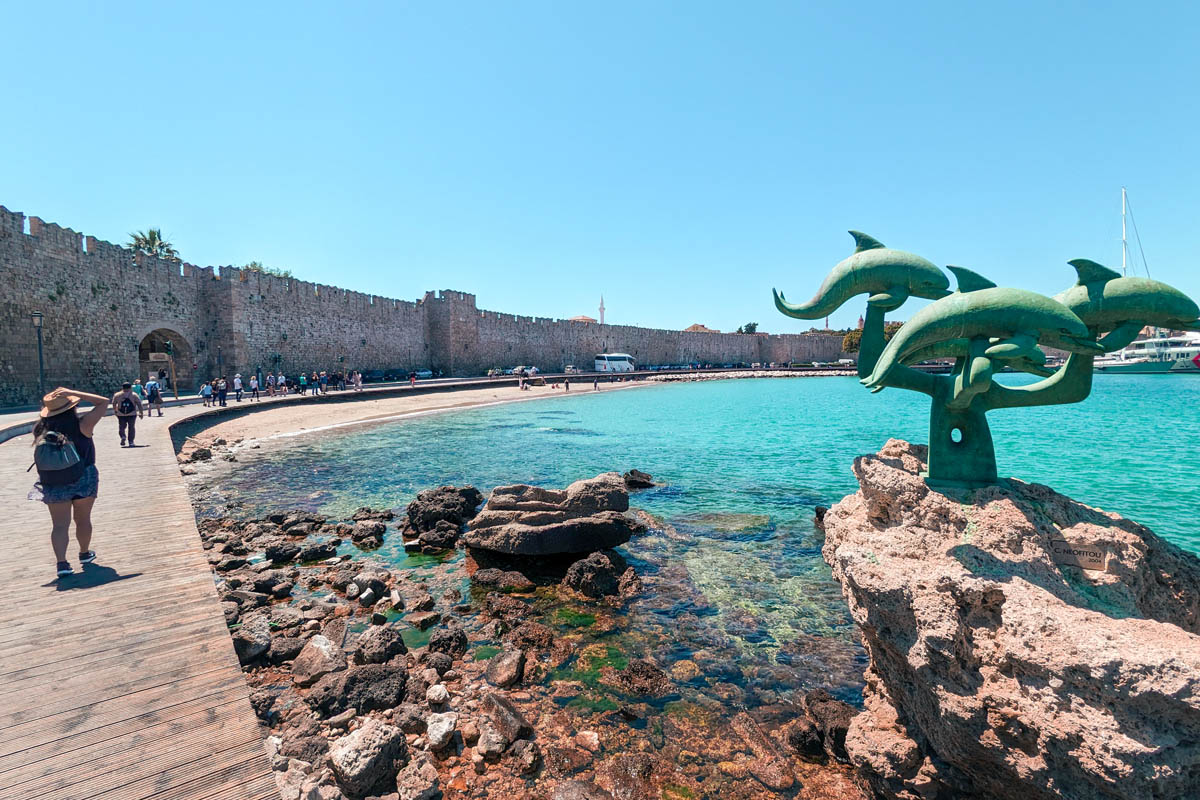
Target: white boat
1173,354
1159,353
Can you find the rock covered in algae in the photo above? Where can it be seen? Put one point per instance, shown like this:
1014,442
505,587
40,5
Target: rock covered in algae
997,669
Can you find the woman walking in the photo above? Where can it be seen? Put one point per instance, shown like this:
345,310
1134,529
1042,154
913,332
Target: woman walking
68,481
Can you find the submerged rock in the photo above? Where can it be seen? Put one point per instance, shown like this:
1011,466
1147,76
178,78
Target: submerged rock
636,479
527,520
997,667
597,575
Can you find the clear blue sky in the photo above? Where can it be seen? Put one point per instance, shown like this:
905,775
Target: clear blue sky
682,158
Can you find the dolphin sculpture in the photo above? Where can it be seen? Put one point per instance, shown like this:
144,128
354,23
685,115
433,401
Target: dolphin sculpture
1019,318
1105,301
1020,354
1033,361
889,276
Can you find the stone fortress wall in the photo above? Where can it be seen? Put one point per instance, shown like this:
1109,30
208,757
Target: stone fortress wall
107,309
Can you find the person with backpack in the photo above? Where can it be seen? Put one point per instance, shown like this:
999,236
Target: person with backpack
128,410
206,391
153,395
222,390
68,481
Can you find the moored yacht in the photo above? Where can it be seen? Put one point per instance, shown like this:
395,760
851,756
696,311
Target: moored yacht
1173,354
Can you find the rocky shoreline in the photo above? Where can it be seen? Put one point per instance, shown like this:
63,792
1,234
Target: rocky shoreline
463,677
1022,645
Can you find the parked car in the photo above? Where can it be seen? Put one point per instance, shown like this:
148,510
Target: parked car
424,373
571,369
373,376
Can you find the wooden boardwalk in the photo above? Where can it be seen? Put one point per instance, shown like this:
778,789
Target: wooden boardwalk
120,681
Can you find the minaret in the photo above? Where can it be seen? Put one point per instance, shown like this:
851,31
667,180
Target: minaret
601,309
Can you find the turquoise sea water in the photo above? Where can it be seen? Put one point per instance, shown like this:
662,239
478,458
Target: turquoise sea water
736,573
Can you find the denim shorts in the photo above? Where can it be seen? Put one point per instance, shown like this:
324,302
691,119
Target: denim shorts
87,486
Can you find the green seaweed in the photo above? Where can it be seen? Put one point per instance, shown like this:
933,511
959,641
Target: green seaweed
589,664
418,560
595,705
674,791
485,652
414,638
574,619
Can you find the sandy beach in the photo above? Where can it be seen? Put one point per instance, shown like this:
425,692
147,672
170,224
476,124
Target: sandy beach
287,419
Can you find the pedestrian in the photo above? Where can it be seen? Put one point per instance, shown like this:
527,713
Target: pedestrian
357,381
281,383
341,381
314,383
153,395
139,390
68,481
127,407
324,383
206,391
595,384
254,388
270,384
567,384
412,380
237,387
303,383
222,391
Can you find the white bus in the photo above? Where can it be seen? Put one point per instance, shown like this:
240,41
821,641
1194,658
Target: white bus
615,362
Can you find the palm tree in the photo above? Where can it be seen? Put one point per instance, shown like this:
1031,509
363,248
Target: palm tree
152,243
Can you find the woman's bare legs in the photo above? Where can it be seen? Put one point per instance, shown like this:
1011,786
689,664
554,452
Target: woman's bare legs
83,523
60,517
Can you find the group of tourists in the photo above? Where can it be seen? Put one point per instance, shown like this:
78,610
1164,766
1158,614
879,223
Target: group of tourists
215,391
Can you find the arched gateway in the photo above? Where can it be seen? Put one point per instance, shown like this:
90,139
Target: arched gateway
154,358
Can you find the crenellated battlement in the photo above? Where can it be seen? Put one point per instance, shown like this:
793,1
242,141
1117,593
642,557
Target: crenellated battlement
106,307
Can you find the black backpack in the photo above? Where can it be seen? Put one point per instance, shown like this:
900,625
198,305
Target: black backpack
57,461
126,407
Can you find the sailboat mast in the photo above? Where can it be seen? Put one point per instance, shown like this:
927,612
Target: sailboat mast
1124,244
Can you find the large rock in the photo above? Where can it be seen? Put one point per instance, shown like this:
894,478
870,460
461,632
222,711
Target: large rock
506,718
418,780
253,637
597,575
379,644
530,521
451,504
318,658
370,687
366,761
998,670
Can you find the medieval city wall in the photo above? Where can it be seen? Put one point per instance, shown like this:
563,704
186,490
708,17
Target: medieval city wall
106,309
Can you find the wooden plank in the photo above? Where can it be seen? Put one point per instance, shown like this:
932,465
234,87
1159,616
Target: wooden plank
126,688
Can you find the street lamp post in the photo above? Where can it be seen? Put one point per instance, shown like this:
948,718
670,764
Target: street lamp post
37,325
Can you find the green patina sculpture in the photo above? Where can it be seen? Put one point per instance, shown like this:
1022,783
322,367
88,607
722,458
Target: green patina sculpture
985,328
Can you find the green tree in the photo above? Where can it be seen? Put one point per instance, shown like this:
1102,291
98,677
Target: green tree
258,266
749,327
853,338
152,243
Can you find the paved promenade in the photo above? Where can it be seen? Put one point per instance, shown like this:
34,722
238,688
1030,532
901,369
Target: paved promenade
120,681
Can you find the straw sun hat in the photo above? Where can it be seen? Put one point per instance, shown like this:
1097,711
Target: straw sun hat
58,402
